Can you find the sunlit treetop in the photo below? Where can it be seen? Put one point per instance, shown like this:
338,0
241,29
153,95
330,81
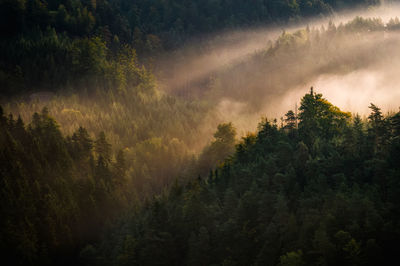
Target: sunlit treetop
319,117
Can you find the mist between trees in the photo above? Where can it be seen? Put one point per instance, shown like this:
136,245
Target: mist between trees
161,134
350,62
96,132
60,192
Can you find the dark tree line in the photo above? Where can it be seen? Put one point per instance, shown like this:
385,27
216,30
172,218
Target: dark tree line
322,189
57,193
325,192
53,44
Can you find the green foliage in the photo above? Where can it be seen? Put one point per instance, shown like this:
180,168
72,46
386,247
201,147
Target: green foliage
290,120
360,24
319,118
55,195
289,195
304,55
293,258
55,44
281,199
219,149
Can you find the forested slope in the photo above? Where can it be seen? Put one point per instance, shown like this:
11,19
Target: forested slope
57,193
302,57
321,190
98,166
53,44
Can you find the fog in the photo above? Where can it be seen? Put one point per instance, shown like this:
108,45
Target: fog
245,82
243,75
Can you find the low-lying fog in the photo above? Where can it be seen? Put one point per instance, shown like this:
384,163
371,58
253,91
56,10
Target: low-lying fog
350,69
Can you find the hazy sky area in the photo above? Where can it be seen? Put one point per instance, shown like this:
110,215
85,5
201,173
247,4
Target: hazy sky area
351,73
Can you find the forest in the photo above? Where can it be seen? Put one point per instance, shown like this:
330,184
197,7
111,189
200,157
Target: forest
70,44
136,132
321,189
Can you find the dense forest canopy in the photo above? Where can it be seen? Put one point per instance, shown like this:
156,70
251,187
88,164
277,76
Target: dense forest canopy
116,146
321,188
52,44
346,60
324,192
159,132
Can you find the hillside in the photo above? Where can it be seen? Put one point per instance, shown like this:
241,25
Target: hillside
126,132
320,188
70,44
324,192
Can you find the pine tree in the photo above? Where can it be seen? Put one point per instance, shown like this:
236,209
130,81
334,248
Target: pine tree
290,120
103,148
